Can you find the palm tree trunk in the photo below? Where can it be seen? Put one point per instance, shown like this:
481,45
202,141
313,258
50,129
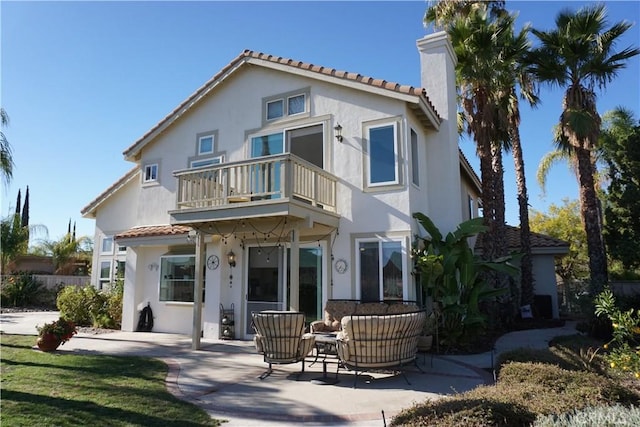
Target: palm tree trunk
488,211
527,287
590,213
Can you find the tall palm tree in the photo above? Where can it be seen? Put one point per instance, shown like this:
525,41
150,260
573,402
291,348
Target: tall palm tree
500,57
579,55
6,158
513,144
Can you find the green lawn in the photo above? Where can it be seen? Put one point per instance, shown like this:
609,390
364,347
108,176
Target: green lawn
57,389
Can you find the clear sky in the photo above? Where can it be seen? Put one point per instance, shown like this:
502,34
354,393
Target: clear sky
81,81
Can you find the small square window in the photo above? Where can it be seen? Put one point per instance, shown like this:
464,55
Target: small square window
275,109
205,145
150,173
295,104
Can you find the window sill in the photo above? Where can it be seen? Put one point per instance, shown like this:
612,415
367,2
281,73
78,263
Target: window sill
177,303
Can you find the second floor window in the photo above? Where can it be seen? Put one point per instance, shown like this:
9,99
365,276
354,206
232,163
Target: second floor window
382,147
205,144
206,162
150,173
284,105
415,157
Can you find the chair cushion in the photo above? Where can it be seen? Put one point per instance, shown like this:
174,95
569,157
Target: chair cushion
335,310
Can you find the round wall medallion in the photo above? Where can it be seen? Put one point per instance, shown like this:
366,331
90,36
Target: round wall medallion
341,266
213,262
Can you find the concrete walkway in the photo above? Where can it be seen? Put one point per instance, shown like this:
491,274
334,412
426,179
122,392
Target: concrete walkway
222,377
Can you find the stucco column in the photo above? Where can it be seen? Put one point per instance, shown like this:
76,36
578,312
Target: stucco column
130,298
197,293
438,77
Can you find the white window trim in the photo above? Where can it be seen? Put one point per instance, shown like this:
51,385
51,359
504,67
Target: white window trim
284,98
160,279
102,281
113,243
213,144
220,159
380,240
266,109
396,152
144,173
415,158
304,102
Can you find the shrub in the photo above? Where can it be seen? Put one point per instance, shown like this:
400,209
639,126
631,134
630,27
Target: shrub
616,415
523,390
463,412
572,352
21,290
559,390
89,307
624,347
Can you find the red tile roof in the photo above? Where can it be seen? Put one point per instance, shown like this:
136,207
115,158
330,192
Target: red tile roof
153,231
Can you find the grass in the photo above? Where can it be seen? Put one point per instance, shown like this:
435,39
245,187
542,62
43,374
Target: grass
569,376
56,389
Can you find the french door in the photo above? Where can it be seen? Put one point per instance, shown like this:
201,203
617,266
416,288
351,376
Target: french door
268,280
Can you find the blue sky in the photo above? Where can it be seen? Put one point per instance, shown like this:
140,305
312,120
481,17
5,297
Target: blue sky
81,81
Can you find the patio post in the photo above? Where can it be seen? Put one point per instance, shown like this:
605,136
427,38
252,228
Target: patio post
294,299
197,293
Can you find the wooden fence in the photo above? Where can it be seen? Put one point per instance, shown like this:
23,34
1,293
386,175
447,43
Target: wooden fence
51,281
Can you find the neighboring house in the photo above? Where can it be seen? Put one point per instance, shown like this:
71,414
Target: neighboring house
544,250
284,184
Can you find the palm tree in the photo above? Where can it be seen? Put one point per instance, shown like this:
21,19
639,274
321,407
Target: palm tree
6,158
500,57
527,286
66,252
578,55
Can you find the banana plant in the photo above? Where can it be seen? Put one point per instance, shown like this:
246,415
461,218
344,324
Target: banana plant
454,277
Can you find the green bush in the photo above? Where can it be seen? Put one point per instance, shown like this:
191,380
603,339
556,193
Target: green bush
21,290
89,307
616,415
73,304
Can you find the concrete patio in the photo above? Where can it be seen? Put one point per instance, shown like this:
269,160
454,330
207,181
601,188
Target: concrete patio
222,377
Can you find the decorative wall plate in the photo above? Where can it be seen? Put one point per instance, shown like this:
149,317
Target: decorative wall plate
341,266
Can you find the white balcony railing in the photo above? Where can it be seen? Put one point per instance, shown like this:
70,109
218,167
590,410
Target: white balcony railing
261,180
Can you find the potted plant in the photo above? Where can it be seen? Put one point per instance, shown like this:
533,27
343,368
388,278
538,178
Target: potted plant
52,335
425,340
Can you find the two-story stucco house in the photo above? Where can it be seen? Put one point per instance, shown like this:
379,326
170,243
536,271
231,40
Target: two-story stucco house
279,184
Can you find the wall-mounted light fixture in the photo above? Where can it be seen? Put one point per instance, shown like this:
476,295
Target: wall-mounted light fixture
231,258
191,237
338,130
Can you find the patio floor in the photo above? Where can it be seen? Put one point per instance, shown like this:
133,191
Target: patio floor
223,377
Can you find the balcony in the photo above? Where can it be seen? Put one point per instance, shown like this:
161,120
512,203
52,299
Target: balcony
262,187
